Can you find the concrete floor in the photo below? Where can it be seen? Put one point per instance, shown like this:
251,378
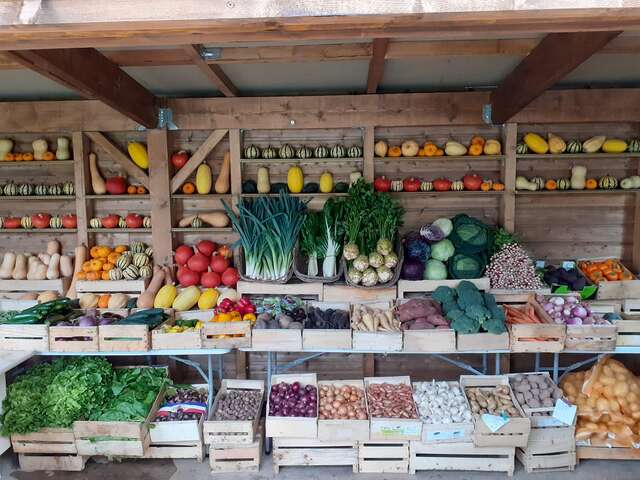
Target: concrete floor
192,470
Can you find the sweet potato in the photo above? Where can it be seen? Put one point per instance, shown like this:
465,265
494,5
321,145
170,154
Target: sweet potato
417,308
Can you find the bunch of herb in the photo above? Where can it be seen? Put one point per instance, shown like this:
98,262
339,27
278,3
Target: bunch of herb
268,229
501,237
133,392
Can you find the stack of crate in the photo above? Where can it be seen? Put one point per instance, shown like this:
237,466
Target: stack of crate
234,446
48,449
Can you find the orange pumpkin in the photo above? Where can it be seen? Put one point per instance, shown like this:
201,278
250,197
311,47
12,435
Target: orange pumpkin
81,275
93,276
9,157
86,266
591,184
475,149
27,157
106,266
477,140
103,300
188,188
551,184
394,151
95,265
140,190
131,189
113,257
48,156
430,149
120,248
93,252
498,186
17,157
485,186
421,152
104,275
103,251
439,152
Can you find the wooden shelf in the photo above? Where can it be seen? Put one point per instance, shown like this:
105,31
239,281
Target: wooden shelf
318,195
302,160
446,194
202,230
617,191
576,156
119,230
144,196
36,163
38,230
448,158
69,198
196,196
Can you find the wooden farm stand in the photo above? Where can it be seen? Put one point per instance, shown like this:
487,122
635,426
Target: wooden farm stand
292,427
330,339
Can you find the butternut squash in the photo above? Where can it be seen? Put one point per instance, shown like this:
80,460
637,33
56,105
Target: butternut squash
97,182
44,258
168,276
47,296
53,246
66,266
40,147
224,177
215,219
32,268
89,300
81,255
203,179
146,300
20,268
118,300
53,271
8,263
62,151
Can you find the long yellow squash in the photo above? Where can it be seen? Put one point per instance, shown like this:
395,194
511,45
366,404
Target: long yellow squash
138,153
203,179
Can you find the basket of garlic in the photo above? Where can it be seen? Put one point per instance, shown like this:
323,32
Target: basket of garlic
444,411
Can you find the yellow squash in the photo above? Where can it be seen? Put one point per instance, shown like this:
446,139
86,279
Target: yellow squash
326,182
614,145
203,179
295,179
165,297
536,143
208,299
186,299
138,153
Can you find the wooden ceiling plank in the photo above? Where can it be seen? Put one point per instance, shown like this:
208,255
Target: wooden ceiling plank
376,64
119,157
214,73
197,158
551,60
92,75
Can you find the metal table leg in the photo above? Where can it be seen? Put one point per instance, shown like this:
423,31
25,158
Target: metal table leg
537,364
497,364
556,364
267,440
485,363
210,381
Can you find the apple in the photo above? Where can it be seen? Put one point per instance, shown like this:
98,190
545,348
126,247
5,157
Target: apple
179,159
206,247
133,220
40,220
210,280
110,221
70,220
116,185
183,253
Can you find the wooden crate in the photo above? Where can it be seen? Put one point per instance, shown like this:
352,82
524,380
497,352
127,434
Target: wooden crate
296,452
31,462
229,458
383,457
299,289
29,338
516,296
515,433
629,326
537,337
460,456
124,338
60,285
327,339
544,463
112,286
447,432
550,448
161,340
343,430
431,341
393,429
229,432
121,439
591,338
276,340
619,289
73,339
345,293
607,453
177,439
227,334
377,341
292,427
407,287
480,342
45,441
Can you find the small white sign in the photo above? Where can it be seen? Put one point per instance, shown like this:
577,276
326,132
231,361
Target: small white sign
540,263
564,412
568,264
494,422
445,435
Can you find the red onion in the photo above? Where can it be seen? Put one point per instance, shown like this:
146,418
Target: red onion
579,311
291,400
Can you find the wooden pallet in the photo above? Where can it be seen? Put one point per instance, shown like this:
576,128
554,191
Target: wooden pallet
383,457
461,456
606,453
296,452
228,458
28,338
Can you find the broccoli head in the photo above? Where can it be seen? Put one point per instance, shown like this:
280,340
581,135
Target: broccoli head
449,305
468,294
465,324
444,295
494,325
478,312
489,300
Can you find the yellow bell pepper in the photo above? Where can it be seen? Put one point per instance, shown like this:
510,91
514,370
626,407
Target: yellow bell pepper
249,316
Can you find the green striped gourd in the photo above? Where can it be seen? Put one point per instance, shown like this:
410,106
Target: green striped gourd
196,223
115,274
55,189
145,271
25,189
563,183
397,185
539,182
122,223
137,247
149,252
55,222
146,222
68,188
131,272
140,260
338,151
10,189
354,152
123,261
95,223
251,152
457,186
321,152
25,222
574,146
41,190
304,152
634,145
608,182
269,153
522,149
286,151
426,186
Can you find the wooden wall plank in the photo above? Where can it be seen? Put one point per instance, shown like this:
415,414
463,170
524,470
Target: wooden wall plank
367,149
81,150
157,142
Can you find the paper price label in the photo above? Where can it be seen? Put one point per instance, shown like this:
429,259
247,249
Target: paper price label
540,264
568,264
564,412
494,422
445,435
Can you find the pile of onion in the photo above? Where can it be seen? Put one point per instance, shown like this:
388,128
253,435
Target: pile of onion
293,400
570,311
342,403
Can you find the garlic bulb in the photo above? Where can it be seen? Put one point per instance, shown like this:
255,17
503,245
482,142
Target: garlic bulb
441,402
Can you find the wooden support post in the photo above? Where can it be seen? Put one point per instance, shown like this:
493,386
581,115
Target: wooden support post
635,253
214,73
81,148
376,64
368,166
242,366
368,364
509,140
161,238
235,148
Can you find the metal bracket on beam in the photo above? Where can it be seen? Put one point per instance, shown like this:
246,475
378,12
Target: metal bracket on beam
165,119
211,53
486,114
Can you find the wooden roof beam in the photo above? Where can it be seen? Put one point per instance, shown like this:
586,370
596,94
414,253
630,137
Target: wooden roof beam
214,73
552,59
92,75
376,64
